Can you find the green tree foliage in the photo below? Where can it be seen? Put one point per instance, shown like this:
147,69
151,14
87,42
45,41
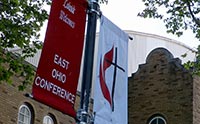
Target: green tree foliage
103,1
193,66
178,15
20,23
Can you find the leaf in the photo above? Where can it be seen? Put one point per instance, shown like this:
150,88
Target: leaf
178,15
184,55
20,21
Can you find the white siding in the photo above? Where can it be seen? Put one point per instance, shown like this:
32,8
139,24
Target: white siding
141,45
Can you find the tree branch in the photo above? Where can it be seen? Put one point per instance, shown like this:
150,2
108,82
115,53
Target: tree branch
193,17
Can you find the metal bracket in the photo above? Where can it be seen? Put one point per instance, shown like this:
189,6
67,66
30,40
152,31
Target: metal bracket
84,117
94,8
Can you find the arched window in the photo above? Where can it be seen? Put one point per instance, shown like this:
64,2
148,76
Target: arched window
157,120
24,115
49,119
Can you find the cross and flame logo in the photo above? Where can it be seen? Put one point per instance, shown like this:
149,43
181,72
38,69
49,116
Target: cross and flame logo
107,62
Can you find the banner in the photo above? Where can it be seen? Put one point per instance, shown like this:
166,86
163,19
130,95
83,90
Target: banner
110,93
57,74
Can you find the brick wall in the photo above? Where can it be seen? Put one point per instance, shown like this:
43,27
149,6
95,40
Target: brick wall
12,99
196,100
161,86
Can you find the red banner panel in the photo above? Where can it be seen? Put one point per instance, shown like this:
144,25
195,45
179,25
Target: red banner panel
57,75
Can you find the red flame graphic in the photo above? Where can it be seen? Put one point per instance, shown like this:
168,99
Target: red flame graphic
107,57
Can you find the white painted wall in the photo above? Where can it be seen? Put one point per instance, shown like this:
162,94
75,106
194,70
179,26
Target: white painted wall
138,49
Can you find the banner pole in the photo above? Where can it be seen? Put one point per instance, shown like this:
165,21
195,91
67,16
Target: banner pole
83,116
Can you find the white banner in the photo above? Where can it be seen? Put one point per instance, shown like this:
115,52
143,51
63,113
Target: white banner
110,93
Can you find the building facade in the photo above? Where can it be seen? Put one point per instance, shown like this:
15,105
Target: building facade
17,108
160,90
163,92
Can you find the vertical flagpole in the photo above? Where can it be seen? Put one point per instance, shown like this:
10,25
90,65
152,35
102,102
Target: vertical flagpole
83,116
